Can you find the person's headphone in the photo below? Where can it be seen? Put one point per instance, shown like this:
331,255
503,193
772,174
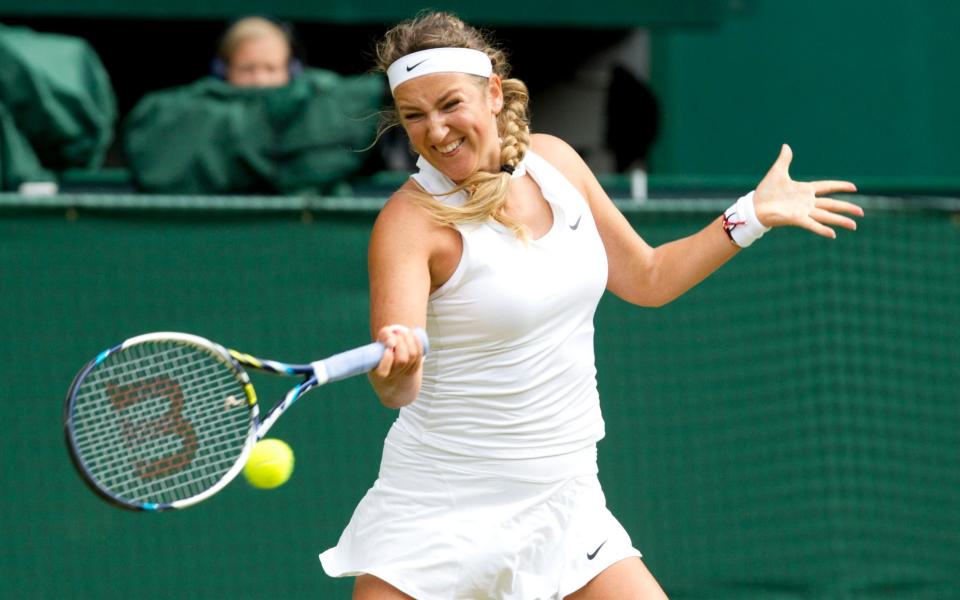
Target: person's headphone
295,66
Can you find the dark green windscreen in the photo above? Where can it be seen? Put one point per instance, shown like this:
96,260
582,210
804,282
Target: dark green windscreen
862,90
612,13
788,429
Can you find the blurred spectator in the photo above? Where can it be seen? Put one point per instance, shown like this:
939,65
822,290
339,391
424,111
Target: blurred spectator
262,124
257,52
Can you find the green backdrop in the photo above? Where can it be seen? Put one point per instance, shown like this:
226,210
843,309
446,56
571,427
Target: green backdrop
612,13
788,429
863,89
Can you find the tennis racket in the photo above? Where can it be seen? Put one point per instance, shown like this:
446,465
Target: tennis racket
165,420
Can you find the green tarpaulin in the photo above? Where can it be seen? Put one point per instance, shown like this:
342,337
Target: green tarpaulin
18,162
212,137
58,94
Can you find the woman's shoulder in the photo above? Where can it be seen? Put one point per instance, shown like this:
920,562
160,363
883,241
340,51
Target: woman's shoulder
557,152
403,216
551,147
404,206
561,155
405,235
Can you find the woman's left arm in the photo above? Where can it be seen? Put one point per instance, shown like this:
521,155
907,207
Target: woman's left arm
647,276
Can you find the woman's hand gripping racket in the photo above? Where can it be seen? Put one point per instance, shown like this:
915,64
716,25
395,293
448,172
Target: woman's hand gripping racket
165,420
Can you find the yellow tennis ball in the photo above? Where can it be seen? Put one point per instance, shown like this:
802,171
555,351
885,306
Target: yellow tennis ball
270,464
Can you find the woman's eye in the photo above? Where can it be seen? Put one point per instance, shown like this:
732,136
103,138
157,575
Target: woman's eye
451,105
411,116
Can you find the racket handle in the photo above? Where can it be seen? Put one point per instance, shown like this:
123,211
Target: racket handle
357,361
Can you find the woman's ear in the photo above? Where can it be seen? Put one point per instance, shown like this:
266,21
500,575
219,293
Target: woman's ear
495,94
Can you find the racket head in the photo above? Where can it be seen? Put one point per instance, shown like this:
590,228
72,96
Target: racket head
160,421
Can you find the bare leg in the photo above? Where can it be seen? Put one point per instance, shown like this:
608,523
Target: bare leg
628,579
368,587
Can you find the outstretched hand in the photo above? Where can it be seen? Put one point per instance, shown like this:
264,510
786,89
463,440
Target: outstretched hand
780,201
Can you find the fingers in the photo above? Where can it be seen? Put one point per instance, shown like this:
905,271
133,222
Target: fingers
386,364
782,164
839,206
821,216
403,353
828,218
832,187
816,227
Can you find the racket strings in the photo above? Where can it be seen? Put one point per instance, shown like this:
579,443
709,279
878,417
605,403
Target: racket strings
160,422
169,447
202,382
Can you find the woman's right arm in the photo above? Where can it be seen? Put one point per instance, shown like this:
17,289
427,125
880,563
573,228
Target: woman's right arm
399,255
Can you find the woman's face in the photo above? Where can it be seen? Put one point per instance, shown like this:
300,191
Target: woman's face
451,120
261,61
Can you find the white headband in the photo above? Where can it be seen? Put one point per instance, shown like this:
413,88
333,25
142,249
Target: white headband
438,60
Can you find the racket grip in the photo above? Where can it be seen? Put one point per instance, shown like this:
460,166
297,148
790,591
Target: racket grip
357,361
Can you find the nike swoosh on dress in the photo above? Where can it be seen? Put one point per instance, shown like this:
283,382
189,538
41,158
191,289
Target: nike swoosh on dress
591,556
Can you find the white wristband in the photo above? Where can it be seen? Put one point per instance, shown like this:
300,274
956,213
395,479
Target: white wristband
741,223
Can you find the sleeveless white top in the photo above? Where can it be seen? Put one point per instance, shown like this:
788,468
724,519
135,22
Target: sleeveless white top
511,373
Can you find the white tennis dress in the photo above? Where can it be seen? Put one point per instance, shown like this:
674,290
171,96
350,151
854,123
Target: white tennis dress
487,487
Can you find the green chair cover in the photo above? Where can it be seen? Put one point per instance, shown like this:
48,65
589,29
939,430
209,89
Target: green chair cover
210,137
59,95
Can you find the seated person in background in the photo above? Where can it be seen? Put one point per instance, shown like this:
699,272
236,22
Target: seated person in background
256,52
262,124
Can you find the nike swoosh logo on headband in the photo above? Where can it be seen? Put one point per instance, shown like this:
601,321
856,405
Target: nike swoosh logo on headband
412,67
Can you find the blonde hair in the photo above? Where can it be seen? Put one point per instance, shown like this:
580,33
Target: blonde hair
486,192
251,28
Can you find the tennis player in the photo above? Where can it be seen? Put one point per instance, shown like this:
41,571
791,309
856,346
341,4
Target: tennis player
501,246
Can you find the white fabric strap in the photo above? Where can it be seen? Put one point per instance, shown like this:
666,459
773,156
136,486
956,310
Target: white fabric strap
438,60
435,183
741,223
425,167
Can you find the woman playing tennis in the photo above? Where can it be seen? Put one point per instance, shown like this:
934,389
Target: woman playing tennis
501,247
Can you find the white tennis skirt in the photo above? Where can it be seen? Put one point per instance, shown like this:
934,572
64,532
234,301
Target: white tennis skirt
438,526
